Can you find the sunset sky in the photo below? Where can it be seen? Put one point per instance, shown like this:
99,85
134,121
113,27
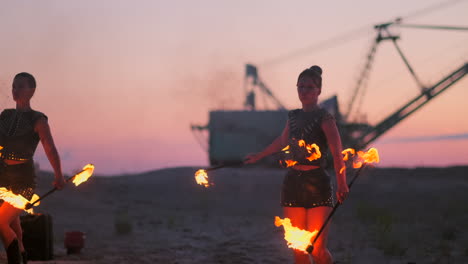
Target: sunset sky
121,81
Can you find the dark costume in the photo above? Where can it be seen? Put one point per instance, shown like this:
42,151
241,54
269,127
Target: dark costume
310,188
19,142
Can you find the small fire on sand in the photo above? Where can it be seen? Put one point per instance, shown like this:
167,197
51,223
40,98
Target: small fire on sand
296,238
17,200
202,178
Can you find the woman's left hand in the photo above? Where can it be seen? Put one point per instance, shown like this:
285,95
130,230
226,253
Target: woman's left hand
342,192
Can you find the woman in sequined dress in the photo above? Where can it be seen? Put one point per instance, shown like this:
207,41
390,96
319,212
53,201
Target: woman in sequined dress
21,129
307,195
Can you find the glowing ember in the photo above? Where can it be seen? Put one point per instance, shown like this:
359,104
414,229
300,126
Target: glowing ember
16,200
312,149
83,175
202,178
295,237
286,149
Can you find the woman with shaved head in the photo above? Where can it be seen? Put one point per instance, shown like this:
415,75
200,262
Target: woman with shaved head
21,129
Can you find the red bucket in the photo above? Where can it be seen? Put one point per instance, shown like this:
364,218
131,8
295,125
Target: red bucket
74,241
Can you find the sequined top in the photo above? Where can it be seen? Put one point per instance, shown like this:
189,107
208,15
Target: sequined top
17,135
308,127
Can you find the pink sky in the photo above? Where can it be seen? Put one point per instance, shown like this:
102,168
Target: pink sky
122,82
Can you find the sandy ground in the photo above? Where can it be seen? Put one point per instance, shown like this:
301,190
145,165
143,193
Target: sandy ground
391,216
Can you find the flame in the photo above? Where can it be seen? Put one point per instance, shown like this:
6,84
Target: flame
83,175
297,238
342,169
312,149
361,157
286,149
36,197
347,152
290,163
301,143
202,178
16,200
314,155
371,156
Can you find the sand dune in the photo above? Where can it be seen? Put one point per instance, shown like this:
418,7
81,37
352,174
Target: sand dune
391,216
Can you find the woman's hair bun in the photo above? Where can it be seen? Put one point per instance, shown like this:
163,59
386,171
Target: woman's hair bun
316,69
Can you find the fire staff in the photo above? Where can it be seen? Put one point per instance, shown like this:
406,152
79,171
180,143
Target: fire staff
307,196
21,129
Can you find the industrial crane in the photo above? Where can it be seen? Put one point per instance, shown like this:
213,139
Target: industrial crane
232,134
358,135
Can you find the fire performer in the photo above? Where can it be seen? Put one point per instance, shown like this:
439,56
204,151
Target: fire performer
21,129
307,196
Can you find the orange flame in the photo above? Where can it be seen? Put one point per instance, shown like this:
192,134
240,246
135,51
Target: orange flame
371,156
202,178
312,149
290,163
83,175
295,237
286,149
342,169
347,152
16,200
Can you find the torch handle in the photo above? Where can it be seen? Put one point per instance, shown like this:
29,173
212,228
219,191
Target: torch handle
29,205
310,248
227,164
236,163
43,196
356,175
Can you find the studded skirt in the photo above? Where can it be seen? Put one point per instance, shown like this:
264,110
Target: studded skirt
19,179
307,189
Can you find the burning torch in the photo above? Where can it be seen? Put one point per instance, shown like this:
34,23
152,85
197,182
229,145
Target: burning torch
363,159
201,175
16,200
312,150
77,179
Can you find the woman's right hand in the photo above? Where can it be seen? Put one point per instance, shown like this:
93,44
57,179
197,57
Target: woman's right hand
252,158
59,181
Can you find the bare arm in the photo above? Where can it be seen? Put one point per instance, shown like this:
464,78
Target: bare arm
278,144
43,130
334,143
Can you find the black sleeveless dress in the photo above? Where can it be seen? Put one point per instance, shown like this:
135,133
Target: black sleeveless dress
19,142
311,188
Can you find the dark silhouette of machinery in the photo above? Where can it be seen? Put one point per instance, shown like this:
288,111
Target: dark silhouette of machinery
233,134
